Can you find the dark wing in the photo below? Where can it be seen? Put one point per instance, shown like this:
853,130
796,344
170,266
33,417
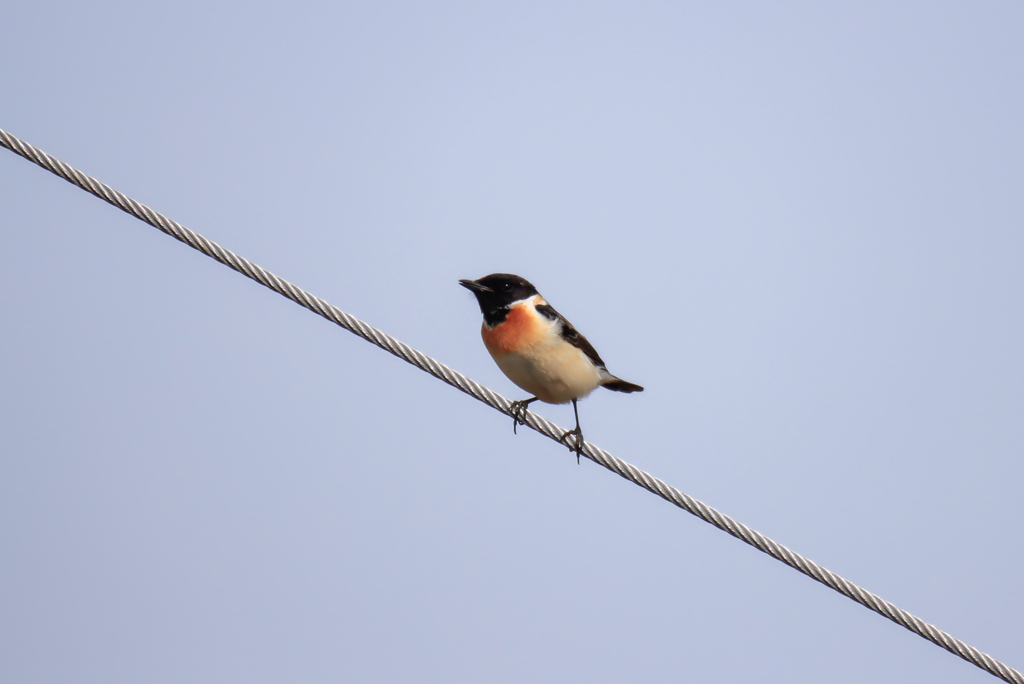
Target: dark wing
570,334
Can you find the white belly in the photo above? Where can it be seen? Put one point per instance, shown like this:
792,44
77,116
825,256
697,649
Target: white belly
555,374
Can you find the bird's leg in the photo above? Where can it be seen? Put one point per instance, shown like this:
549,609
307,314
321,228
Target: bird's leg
577,432
516,411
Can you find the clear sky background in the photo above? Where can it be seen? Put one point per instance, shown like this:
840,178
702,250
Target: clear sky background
800,225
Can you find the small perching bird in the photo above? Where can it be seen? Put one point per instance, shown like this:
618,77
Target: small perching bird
538,349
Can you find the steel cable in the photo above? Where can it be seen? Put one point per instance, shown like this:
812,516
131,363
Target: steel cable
495,400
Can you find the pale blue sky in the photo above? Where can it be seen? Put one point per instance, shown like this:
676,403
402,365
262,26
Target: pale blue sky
799,226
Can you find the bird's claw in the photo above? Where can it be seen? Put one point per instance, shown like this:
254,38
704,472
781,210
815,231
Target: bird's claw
516,410
578,448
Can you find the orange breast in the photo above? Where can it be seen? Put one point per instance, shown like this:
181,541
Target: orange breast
517,332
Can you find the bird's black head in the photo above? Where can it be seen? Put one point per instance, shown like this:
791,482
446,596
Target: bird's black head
498,290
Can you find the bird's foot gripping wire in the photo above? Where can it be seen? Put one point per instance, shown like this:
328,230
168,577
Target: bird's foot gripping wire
517,409
578,442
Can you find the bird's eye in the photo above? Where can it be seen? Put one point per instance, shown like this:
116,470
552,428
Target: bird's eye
508,287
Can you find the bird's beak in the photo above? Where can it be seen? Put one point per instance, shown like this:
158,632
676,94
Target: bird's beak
474,286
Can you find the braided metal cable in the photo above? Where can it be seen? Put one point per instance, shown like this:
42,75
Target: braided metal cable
495,400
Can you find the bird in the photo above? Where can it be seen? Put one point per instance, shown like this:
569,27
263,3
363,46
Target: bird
538,349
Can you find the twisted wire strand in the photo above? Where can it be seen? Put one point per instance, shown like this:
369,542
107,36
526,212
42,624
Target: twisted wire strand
495,400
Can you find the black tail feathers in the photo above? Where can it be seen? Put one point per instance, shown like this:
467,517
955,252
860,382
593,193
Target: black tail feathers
617,385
